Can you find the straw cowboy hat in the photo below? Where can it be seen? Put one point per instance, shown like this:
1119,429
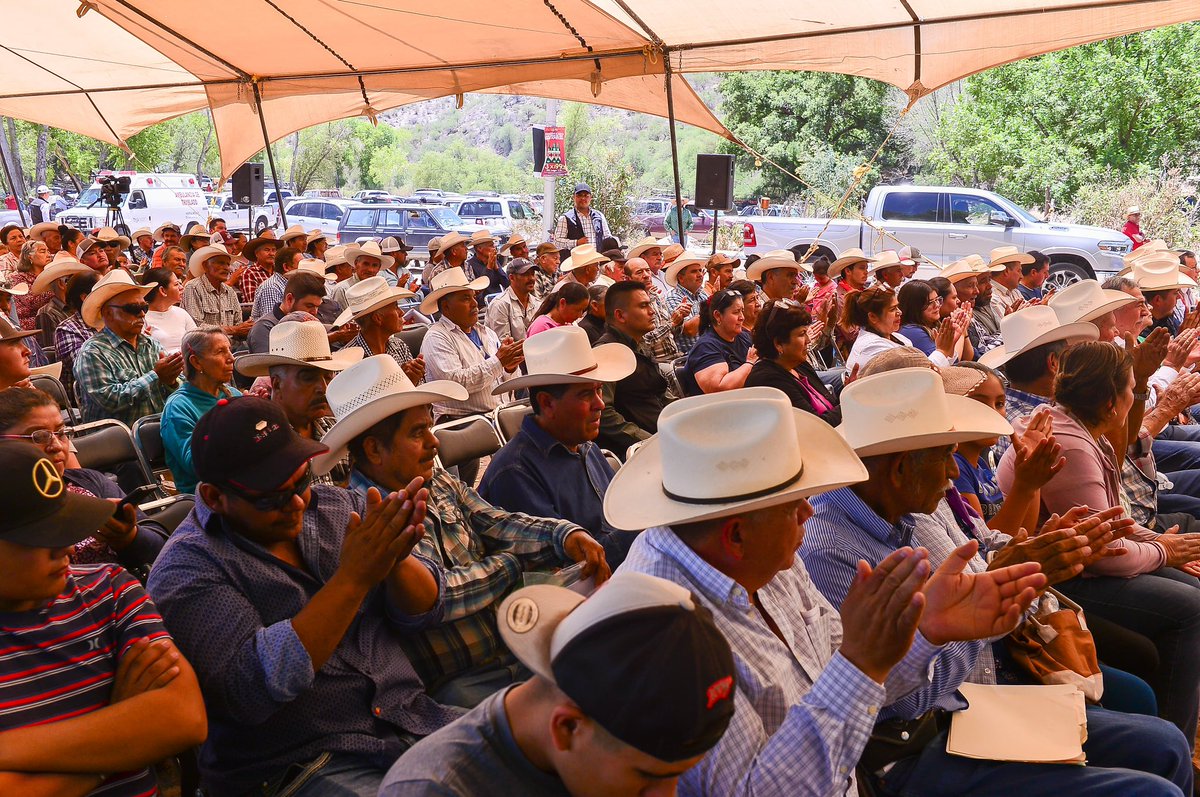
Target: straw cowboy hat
849,258
639,248
368,249
1001,256
204,253
452,239
449,281
139,232
295,231
515,240
335,256
958,379
908,410
1086,301
166,225
41,228
107,235
563,356
318,267
671,252
724,453
1133,210
370,391
366,296
250,250
1031,327
111,285
960,270
777,258
671,273
482,237
1156,248
195,235
58,268
582,256
303,343
11,288
888,258
1160,274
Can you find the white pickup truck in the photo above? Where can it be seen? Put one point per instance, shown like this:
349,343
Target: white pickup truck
946,224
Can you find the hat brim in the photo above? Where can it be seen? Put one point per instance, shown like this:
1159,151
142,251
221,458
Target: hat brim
95,301
393,295
363,418
836,266
1120,300
970,420
531,644
570,265
19,334
157,234
614,362
1079,330
671,272
635,499
1184,282
511,243
76,519
1002,263
429,303
41,228
755,270
57,271
261,364
641,249
203,254
353,253
20,289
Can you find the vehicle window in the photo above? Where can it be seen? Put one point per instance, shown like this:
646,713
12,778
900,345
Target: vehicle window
361,217
137,201
530,213
420,220
973,210
332,212
516,210
300,209
917,206
392,219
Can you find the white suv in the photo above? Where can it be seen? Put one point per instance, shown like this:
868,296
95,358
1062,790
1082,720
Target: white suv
323,214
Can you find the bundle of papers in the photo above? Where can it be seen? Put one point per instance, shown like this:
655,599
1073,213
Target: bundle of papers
1034,724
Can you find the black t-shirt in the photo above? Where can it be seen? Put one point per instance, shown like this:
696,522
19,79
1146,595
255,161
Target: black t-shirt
712,349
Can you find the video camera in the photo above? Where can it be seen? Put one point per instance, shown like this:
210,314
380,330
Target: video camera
113,189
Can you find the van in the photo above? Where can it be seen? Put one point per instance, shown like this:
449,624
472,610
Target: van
494,212
152,199
415,223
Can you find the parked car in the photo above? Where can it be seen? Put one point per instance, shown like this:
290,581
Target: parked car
325,214
416,223
371,193
243,218
323,193
702,221
152,199
946,224
494,212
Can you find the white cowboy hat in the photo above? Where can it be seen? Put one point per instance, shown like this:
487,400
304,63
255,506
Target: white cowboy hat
369,249
908,410
140,231
889,258
370,391
959,270
452,239
1156,248
563,356
639,248
295,231
849,258
671,272
1001,256
304,343
166,225
515,240
366,296
482,237
1031,327
41,228
198,258
108,235
58,268
777,258
335,256
1160,274
1132,209
724,453
318,267
109,286
1086,301
449,281
11,288
582,256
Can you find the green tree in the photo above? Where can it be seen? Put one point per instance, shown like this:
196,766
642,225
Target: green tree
460,167
611,181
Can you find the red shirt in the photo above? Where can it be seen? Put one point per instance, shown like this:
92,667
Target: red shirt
1133,232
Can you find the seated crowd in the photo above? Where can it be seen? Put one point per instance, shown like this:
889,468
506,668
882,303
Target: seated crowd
745,529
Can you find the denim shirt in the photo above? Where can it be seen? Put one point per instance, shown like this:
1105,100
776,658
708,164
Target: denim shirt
229,604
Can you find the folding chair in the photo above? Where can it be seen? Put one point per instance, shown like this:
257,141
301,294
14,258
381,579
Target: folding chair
465,439
612,458
509,418
170,512
147,437
107,446
48,384
413,336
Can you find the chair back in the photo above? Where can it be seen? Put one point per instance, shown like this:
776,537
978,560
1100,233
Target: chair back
413,336
48,384
147,436
465,439
107,446
509,418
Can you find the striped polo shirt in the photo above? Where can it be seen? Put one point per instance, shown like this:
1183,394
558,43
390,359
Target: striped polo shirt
58,661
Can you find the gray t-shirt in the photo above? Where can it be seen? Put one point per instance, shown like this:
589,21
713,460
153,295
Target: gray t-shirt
475,755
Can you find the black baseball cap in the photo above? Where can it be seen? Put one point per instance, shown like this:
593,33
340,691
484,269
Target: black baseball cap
581,187
642,657
247,442
519,265
39,511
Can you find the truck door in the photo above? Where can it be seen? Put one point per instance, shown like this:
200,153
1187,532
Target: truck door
911,216
976,225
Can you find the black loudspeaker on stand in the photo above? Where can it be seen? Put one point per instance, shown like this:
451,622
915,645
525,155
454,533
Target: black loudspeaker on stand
714,182
247,184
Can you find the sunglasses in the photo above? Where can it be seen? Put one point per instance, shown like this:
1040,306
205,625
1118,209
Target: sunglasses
42,437
111,244
786,304
277,499
134,309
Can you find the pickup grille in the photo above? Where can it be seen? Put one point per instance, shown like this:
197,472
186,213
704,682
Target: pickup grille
85,223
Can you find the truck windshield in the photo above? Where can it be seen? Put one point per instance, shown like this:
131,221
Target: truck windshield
446,217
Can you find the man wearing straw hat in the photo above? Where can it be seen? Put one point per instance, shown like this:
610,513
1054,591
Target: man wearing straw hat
208,298
552,467
1133,226
373,305
121,372
685,276
1005,266
385,423
583,266
367,259
485,262
260,252
452,251
724,507
397,274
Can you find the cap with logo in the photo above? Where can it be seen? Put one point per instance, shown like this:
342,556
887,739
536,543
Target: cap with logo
247,442
39,511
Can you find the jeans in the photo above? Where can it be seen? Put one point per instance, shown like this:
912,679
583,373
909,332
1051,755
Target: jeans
1127,693
329,775
1171,455
1128,754
1184,495
1175,431
1164,606
473,687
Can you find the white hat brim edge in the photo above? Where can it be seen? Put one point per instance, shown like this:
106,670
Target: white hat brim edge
429,303
1080,329
755,271
261,364
532,646
970,420
614,362
395,295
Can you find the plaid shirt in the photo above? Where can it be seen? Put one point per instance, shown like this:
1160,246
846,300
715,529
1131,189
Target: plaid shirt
484,550
659,343
209,305
268,295
803,713
69,338
115,380
543,285
395,347
595,229
253,276
676,297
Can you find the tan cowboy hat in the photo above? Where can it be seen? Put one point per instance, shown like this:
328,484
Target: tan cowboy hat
1086,301
1160,274
434,245
515,240
250,250
8,331
196,261
112,284
960,270
140,231
166,225
888,258
1001,256
482,236
641,246
1133,209
318,267
195,235
41,228
335,256
563,356
671,252
366,296
368,249
1031,327
370,391
671,272
58,268
849,258
107,235
908,410
777,258
452,239
958,379
304,343
726,453
449,281
295,231
581,256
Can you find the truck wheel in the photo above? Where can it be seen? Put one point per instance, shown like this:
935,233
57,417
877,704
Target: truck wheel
1064,273
260,224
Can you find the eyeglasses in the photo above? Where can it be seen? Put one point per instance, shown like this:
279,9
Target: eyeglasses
42,437
934,302
276,500
135,309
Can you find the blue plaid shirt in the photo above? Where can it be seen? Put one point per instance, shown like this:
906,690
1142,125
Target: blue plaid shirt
677,296
116,380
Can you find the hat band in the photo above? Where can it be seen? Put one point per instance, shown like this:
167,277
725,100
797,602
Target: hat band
587,370
741,497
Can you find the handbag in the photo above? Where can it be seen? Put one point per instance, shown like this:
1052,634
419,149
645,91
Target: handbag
1054,646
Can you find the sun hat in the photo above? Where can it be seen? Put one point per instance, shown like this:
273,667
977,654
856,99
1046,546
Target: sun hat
303,343
370,391
335,256
723,453
368,249
888,258
200,256
41,228
649,242
452,239
1031,327
392,243
482,236
722,259
366,296
53,369
250,250
42,189
139,232
1156,248
776,258
107,235
959,380
638,641
39,510
65,267
1132,209
10,332
318,267
108,287
434,245
1086,301
908,409
295,231
671,252
582,256
166,225
848,258
13,288
1160,274
671,272
247,442
195,234
977,263
515,240
566,357
449,281
1001,256
960,270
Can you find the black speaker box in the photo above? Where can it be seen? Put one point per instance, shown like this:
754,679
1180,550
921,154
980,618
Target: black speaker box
714,182
247,184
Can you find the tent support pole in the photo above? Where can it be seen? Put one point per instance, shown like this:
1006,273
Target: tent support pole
674,146
270,157
6,156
